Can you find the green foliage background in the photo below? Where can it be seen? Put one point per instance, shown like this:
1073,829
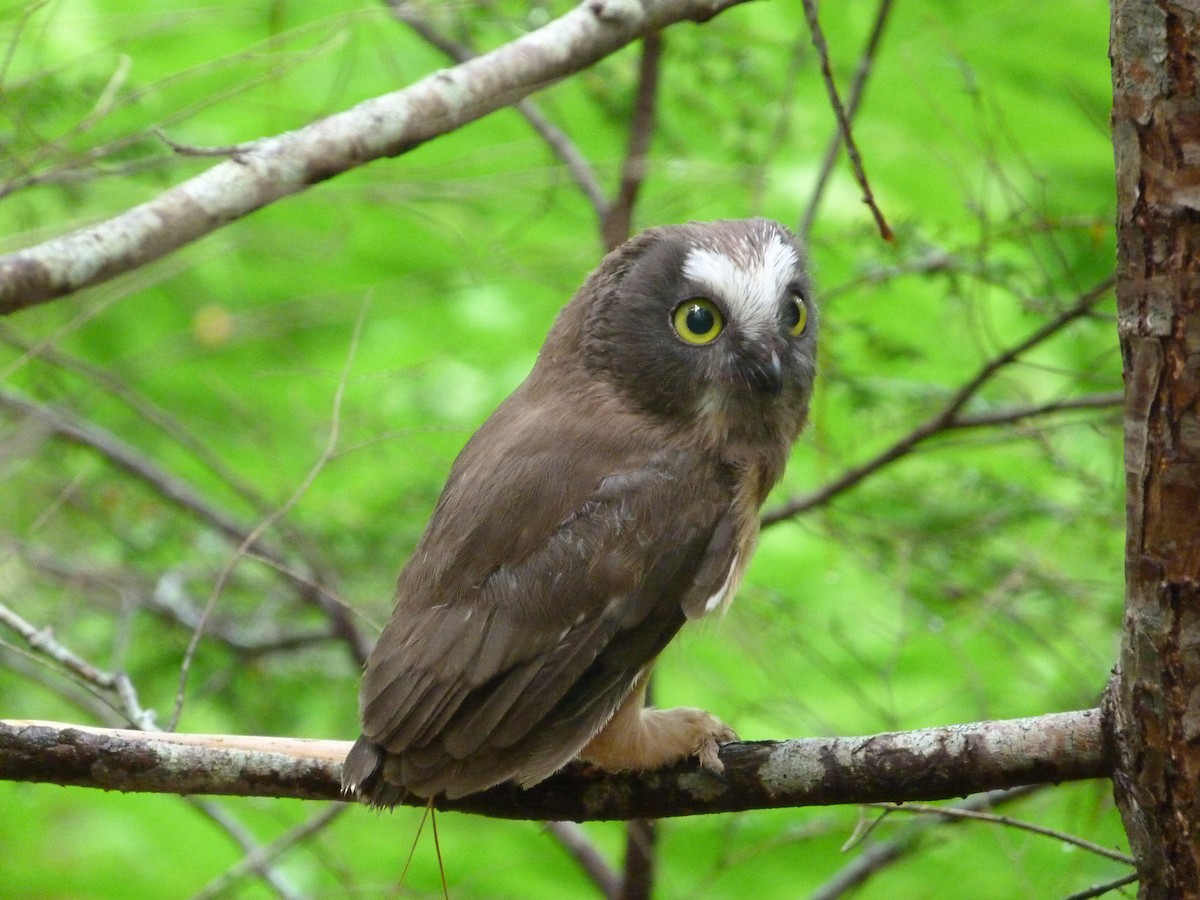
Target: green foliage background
979,577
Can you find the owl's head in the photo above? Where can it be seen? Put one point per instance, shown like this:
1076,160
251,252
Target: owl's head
706,324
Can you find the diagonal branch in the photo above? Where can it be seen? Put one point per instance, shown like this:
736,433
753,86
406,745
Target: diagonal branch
843,118
878,856
253,538
617,221
1010,415
244,838
983,815
69,427
948,418
573,839
557,140
259,859
857,87
47,352
116,684
384,126
931,764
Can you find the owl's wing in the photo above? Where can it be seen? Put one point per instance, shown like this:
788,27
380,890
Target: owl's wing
499,666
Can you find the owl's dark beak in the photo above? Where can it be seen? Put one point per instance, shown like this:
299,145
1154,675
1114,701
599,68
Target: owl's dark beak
765,371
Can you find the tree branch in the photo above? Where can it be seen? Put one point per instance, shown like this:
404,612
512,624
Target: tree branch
878,856
949,417
573,839
384,126
556,139
982,815
116,685
46,352
617,221
254,861
843,119
641,860
77,430
857,87
258,860
1010,415
931,764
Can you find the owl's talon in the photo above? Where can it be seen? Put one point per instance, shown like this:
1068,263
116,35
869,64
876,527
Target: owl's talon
709,755
709,749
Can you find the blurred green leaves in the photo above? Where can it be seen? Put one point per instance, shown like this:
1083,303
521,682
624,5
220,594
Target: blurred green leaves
978,577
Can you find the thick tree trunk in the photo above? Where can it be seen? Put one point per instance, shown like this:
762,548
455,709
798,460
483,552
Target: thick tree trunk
1156,696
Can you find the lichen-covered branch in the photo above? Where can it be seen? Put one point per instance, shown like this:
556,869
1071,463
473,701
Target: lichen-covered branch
950,417
930,764
390,125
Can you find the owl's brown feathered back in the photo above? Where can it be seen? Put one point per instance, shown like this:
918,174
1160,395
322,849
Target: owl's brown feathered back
614,495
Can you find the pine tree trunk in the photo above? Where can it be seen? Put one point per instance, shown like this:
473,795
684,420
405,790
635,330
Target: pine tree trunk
1156,697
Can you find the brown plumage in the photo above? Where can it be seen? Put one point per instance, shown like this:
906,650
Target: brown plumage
610,498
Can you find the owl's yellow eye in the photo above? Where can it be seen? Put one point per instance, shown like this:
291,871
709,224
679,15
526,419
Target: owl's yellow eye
698,321
795,315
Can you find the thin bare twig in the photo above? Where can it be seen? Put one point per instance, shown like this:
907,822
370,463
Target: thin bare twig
75,173
856,163
882,854
81,166
573,839
251,539
559,142
70,427
102,107
47,352
165,597
785,103
77,430
1012,414
193,150
169,599
857,87
104,103
258,859
979,815
117,684
1101,889
616,223
942,420
241,836
15,40
564,148
32,667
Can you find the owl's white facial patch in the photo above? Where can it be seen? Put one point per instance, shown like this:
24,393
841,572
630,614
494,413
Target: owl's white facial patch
747,276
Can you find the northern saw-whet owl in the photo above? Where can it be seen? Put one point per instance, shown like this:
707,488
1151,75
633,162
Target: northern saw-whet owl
613,496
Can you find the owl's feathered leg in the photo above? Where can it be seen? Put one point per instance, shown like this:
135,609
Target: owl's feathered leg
638,737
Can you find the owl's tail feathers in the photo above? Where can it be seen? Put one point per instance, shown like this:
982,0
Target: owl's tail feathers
362,776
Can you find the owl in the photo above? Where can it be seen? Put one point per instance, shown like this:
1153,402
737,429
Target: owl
611,498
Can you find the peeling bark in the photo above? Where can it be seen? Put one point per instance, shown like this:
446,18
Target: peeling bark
1155,699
